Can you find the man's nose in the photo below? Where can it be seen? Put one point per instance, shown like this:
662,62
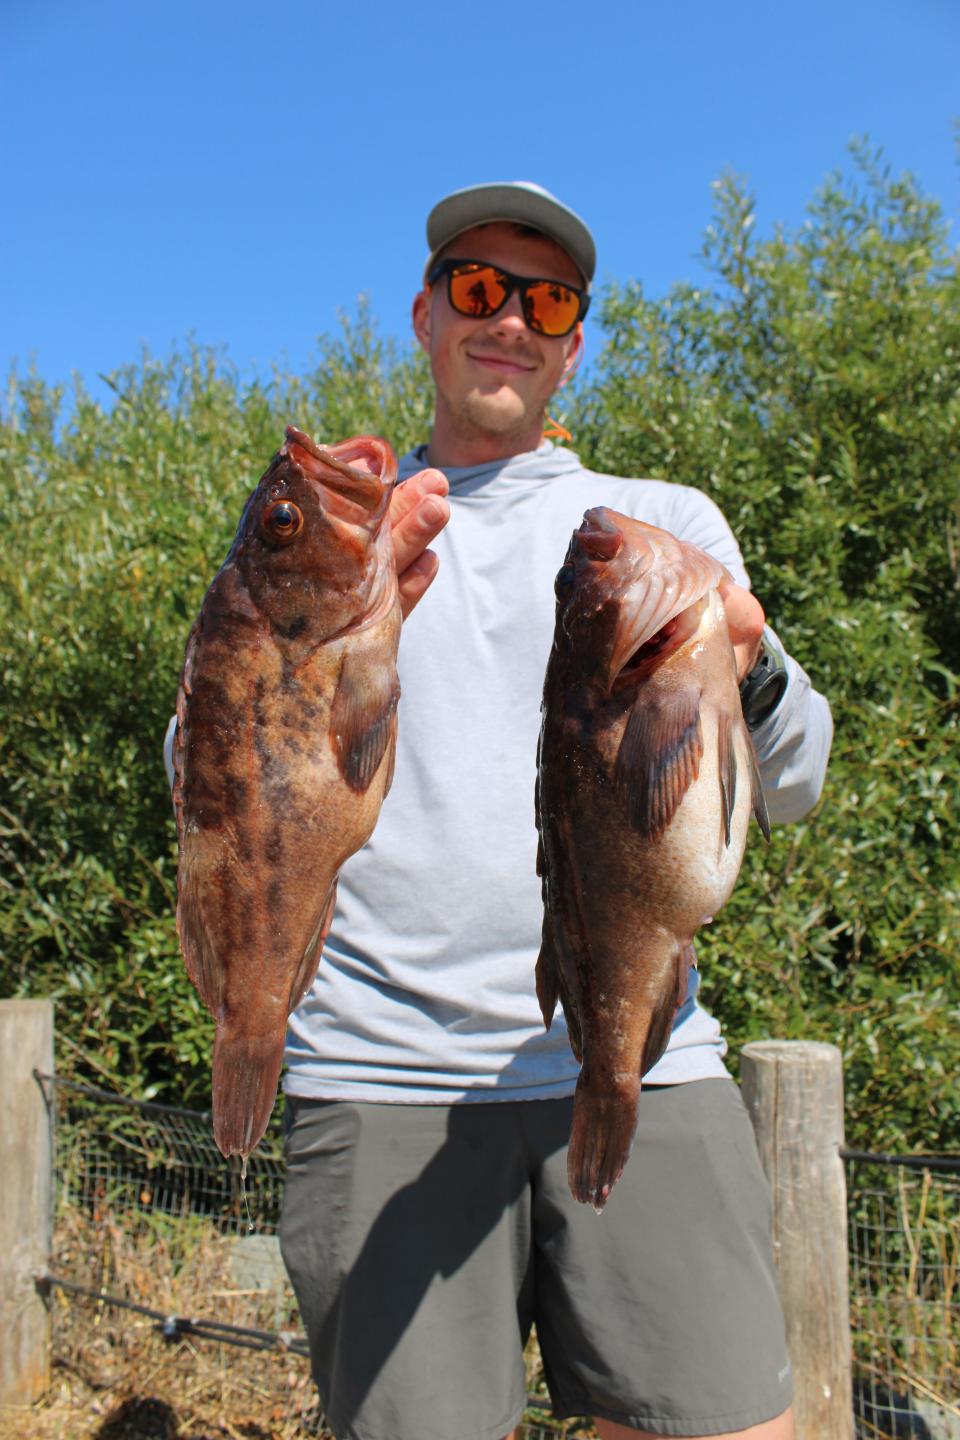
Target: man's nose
510,319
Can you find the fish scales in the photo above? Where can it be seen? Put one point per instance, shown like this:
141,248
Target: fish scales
646,780
286,730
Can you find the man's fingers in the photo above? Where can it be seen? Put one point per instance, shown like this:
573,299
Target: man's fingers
418,512
745,621
416,580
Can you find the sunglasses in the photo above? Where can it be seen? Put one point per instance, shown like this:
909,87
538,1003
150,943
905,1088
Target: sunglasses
481,290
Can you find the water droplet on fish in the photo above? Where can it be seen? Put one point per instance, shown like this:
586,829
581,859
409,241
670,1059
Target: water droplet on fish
243,1191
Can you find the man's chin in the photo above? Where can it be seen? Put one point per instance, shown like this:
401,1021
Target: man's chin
499,414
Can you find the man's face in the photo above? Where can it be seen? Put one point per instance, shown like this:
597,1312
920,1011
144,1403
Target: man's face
494,377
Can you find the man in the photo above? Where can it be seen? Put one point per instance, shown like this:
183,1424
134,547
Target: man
427,1221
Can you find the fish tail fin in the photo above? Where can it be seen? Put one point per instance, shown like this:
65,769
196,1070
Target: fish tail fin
245,1073
600,1140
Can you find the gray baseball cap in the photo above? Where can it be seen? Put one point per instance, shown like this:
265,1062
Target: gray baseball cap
520,201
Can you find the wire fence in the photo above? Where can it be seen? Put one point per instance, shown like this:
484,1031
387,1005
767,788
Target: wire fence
904,1237
165,1263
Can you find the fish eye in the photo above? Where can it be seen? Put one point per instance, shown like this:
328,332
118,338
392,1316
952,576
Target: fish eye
281,521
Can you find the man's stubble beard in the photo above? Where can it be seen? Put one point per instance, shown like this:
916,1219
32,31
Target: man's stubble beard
479,415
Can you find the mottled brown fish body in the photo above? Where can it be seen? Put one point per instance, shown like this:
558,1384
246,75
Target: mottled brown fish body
284,750
642,821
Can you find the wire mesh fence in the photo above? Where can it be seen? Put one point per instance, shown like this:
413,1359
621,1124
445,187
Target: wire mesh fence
904,1236
166,1267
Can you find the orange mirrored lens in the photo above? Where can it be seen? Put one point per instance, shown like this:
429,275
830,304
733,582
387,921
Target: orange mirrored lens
550,308
477,290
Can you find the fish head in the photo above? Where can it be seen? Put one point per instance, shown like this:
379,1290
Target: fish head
629,596
313,547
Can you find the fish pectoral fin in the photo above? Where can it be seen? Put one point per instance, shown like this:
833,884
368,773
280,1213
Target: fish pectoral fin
756,791
659,758
363,718
727,771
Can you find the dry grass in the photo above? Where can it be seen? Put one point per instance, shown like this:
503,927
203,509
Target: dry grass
115,1377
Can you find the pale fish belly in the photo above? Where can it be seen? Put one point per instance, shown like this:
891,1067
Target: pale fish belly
696,865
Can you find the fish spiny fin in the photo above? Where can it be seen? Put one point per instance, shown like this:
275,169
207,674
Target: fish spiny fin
727,771
659,758
362,719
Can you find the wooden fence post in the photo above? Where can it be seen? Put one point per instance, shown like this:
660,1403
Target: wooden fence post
26,1195
794,1093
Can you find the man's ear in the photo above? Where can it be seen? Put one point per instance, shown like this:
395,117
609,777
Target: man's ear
575,355
421,317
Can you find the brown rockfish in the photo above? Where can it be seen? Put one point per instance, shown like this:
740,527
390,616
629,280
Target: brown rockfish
646,779
284,750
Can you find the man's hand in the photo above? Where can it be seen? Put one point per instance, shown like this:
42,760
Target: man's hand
745,619
418,512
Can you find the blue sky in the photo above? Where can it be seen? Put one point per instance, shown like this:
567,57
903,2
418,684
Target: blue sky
244,171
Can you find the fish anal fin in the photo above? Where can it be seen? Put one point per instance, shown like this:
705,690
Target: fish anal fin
548,982
362,718
313,950
659,757
674,995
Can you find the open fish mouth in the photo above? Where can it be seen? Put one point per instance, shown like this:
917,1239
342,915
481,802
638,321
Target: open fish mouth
355,478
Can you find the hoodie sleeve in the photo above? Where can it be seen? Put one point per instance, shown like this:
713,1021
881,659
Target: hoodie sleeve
792,744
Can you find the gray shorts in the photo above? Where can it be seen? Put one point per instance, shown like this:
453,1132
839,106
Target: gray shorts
423,1241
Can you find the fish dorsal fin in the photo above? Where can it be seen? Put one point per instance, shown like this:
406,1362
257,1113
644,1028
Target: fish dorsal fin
363,718
659,757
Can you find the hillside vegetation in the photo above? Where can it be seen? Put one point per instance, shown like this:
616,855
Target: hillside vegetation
811,386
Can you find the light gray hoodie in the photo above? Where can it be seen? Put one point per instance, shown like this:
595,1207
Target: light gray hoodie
425,992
